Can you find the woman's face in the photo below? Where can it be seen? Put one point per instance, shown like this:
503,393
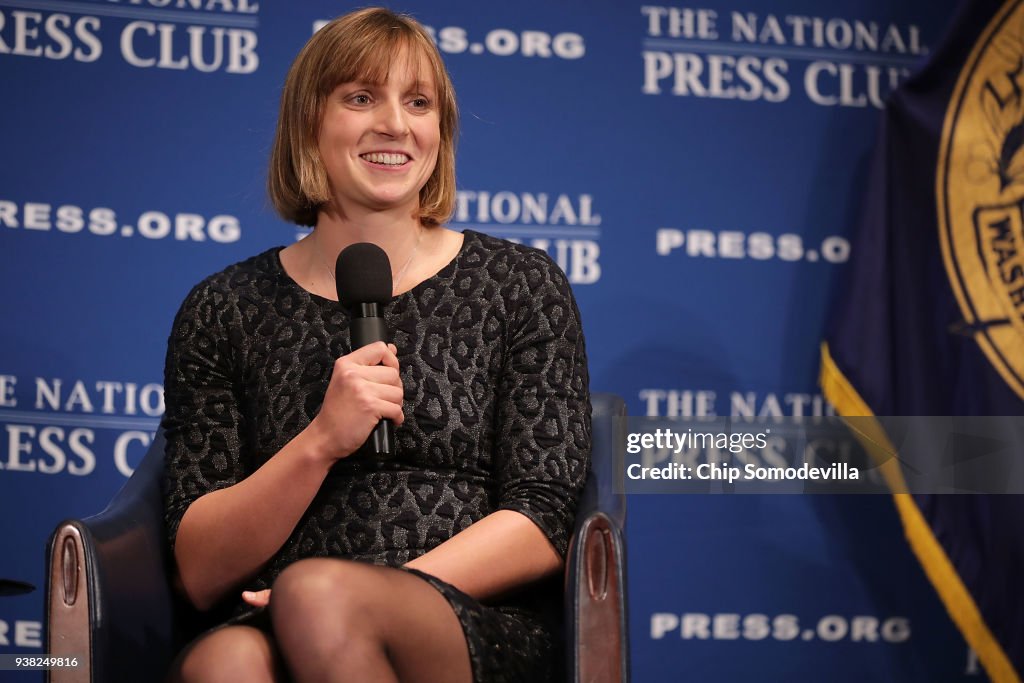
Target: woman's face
379,143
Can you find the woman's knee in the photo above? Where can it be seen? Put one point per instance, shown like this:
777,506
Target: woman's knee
232,653
332,593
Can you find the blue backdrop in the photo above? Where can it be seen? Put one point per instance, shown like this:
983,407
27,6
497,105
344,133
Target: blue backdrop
696,170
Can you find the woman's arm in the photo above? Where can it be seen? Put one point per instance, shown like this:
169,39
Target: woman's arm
501,552
541,444
493,556
226,535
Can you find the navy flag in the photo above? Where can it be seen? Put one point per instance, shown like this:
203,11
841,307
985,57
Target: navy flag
932,320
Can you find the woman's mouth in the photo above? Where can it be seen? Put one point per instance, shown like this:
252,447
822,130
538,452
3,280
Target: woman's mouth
385,158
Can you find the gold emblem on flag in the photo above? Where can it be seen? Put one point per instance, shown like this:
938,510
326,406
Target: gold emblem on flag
980,192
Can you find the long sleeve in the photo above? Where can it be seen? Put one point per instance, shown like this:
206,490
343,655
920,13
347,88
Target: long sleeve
543,440
202,421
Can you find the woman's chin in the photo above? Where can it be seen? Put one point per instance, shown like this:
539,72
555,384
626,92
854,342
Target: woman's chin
385,201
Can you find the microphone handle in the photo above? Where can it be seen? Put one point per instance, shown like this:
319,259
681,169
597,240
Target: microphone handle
363,331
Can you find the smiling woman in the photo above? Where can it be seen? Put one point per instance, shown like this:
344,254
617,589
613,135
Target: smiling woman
317,560
379,142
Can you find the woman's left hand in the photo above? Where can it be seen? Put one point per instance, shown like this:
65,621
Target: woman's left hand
257,598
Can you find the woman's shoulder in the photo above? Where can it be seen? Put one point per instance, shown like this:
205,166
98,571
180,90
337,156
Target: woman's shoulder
236,279
249,280
524,282
243,274
511,261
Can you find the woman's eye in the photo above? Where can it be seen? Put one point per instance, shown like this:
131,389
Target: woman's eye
360,99
420,103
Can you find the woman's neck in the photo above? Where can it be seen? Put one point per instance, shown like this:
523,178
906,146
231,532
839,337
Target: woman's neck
415,252
398,232
394,231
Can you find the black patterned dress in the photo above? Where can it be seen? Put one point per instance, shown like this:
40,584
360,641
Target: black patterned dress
497,418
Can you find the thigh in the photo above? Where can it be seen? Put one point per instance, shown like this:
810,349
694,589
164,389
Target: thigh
229,653
514,644
414,624
424,637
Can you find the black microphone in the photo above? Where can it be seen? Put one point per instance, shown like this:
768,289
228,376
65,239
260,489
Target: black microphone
363,278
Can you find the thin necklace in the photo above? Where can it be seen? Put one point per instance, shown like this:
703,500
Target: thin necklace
398,277
401,273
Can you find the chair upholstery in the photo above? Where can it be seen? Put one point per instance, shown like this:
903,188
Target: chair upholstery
109,600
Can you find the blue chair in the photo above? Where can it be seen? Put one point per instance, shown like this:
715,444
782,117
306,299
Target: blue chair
109,600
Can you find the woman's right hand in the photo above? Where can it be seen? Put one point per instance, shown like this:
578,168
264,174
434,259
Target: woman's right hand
365,388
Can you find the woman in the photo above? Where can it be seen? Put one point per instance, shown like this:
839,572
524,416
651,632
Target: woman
441,564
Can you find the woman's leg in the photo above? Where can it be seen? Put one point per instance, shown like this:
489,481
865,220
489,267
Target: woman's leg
336,620
227,655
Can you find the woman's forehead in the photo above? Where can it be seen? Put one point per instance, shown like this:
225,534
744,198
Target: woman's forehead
403,65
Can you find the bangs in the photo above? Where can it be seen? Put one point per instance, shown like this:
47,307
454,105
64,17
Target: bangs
364,61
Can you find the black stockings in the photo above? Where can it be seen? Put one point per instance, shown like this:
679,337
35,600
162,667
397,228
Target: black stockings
335,620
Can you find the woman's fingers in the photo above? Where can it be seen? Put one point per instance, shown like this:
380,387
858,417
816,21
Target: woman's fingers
381,375
257,598
390,393
392,410
365,387
377,353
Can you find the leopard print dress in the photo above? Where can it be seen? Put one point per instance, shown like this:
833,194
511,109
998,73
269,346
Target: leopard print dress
497,417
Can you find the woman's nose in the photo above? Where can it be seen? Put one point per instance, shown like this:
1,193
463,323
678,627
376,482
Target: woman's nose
391,119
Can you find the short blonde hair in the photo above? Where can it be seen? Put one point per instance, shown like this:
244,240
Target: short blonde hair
359,46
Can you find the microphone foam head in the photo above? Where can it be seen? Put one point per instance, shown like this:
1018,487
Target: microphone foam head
363,275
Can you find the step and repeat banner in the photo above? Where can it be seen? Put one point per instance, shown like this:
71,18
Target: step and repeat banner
696,170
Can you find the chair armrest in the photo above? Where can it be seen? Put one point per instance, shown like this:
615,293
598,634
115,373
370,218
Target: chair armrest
597,645
108,598
606,462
